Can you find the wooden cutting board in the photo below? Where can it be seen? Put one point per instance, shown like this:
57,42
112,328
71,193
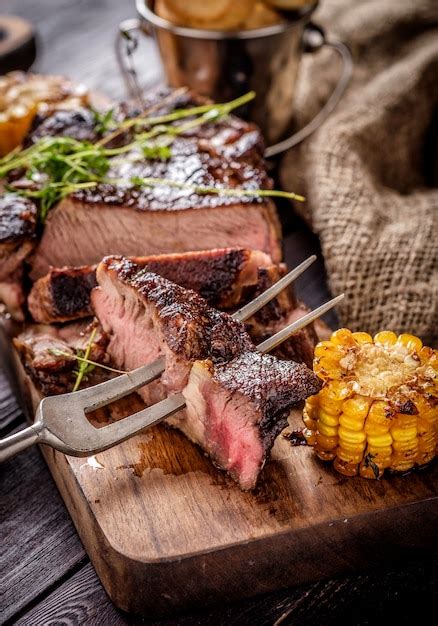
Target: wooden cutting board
166,531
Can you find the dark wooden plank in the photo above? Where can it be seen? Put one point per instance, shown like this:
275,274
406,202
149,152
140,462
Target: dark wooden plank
360,599
39,542
10,412
153,513
77,39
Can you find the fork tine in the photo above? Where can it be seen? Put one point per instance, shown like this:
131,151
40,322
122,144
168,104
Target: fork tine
283,334
133,424
102,394
98,396
255,305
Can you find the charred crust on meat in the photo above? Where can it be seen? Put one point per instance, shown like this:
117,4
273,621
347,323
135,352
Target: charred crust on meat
18,219
48,355
221,267
78,124
71,291
267,380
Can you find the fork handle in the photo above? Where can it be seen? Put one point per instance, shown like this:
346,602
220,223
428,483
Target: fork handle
12,445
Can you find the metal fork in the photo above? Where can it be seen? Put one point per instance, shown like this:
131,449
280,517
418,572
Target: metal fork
61,422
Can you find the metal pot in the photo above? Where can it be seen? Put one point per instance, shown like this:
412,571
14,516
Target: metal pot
223,65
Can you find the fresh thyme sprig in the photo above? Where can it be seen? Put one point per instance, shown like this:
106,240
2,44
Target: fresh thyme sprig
84,368
104,121
205,190
208,113
86,365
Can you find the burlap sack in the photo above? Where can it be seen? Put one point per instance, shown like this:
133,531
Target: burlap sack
370,173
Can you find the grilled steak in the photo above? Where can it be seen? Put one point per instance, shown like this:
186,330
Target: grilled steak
78,124
134,221
219,276
40,347
18,220
237,399
226,278
62,295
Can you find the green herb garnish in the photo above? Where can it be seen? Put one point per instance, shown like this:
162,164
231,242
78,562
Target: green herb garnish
104,121
59,166
204,189
84,366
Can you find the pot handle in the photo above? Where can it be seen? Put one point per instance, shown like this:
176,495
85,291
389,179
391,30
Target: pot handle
126,45
314,39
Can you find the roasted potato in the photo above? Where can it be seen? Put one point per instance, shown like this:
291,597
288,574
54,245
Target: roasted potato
289,5
213,15
24,95
262,16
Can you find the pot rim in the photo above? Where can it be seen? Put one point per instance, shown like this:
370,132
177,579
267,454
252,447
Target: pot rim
150,17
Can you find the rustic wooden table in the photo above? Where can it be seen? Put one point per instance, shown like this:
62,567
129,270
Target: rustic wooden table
46,576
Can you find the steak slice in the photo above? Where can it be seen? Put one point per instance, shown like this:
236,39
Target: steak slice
18,221
237,399
227,279
219,276
235,410
40,347
135,220
62,295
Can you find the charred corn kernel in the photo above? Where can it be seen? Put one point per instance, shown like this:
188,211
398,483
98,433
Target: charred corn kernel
411,342
328,418
380,413
323,454
342,337
362,338
309,436
386,337
327,443
348,469
22,96
378,407
380,440
310,423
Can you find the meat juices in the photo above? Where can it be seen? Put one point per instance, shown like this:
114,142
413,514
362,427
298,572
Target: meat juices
238,400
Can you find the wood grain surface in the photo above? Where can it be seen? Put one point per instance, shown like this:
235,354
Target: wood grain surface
54,583
167,531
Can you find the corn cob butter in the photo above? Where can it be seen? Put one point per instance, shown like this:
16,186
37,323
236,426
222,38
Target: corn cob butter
378,408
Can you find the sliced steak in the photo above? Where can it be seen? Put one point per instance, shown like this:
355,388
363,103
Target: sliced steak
227,279
48,355
237,399
140,220
79,124
235,410
18,221
62,295
220,276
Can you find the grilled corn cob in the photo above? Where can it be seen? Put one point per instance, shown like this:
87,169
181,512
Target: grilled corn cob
378,408
22,96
